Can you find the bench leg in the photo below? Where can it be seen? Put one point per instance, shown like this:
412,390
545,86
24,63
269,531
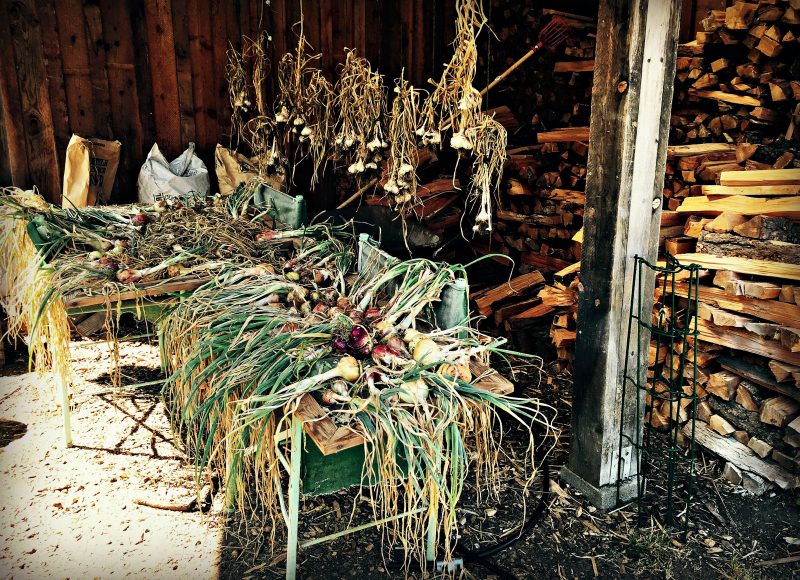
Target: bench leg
433,522
63,388
294,498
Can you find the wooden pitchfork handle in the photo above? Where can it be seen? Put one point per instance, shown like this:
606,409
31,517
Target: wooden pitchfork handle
500,78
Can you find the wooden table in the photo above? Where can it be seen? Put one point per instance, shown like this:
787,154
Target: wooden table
335,461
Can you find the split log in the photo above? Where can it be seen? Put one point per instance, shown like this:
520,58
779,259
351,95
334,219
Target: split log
782,371
742,340
486,299
770,228
741,456
758,375
564,135
790,338
779,411
732,245
771,310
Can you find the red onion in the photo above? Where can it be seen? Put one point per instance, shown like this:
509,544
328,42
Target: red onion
372,313
128,276
320,308
340,344
359,341
140,219
386,355
397,344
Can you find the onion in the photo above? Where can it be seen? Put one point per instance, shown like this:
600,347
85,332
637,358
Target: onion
140,219
372,313
359,342
414,392
292,276
96,255
128,276
348,368
457,371
340,344
386,355
426,351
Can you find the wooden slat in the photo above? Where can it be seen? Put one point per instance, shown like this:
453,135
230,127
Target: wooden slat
742,205
323,431
12,107
5,161
161,45
743,265
159,289
750,190
51,49
203,81
126,121
761,177
40,145
144,86
97,67
183,67
75,62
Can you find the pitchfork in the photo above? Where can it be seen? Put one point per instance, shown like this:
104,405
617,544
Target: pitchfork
550,37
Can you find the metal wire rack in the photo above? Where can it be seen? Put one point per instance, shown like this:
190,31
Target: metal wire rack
660,384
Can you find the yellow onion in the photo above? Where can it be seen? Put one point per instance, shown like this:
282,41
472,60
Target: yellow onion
348,368
457,371
413,392
426,351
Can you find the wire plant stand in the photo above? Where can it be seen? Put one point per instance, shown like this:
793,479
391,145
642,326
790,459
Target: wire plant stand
660,384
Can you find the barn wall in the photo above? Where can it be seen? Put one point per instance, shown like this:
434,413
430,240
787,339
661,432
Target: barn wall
143,71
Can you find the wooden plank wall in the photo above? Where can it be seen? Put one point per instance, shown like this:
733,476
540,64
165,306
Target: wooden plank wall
142,71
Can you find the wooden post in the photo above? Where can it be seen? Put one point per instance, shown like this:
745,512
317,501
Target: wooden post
631,100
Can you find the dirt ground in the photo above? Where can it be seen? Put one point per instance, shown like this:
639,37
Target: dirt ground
76,513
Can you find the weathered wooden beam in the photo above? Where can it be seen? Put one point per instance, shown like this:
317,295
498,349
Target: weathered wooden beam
631,95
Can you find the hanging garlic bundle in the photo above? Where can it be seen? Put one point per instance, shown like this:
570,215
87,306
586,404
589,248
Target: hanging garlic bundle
489,139
455,102
237,93
304,106
359,100
402,180
259,131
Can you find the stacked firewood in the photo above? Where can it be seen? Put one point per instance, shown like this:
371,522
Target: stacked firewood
740,79
732,205
542,197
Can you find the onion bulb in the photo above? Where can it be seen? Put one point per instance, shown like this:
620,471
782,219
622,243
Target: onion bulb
414,392
426,351
457,371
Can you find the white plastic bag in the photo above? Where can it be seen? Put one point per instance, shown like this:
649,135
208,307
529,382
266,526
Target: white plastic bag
185,174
